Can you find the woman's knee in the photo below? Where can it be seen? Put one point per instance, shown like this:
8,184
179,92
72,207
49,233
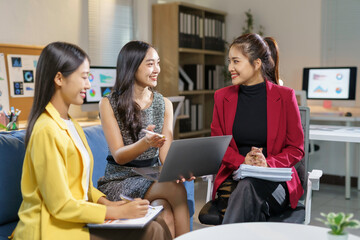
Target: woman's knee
172,188
156,231
244,189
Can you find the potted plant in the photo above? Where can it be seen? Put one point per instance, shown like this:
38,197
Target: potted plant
337,223
249,24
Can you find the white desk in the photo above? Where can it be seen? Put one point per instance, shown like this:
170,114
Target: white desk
260,231
333,118
338,134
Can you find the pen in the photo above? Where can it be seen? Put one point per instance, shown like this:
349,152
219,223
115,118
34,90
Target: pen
126,198
129,199
150,132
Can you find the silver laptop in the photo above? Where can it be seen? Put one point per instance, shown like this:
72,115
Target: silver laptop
189,157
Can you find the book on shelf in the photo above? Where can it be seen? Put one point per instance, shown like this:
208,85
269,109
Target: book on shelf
193,116
129,223
200,114
188,83
181,85
214,32
190,27
195,74
214,77
185,124
195,120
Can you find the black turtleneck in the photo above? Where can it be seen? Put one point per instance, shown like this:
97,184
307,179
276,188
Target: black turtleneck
250,123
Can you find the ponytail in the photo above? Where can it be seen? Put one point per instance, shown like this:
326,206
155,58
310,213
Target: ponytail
273,73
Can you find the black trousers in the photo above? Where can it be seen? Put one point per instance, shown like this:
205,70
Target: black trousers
252,199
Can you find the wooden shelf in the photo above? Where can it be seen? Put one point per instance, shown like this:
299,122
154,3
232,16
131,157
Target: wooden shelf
201,51
190,5
197,92
173,50
183,117
194,133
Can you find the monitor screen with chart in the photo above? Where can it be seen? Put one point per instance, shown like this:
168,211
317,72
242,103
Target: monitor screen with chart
102,79
330,83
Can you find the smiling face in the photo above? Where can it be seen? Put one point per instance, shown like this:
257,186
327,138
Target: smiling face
149,69
74,86
241,70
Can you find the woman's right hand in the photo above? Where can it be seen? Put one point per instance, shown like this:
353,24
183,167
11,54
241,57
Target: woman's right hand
134,209
153,140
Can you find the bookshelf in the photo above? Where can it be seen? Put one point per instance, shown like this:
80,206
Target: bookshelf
191,39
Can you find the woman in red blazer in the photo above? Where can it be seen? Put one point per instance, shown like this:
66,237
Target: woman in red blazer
264,120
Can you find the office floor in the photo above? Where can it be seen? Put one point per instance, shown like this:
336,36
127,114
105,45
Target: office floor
329,198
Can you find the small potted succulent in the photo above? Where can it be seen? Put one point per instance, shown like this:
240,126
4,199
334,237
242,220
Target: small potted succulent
337,223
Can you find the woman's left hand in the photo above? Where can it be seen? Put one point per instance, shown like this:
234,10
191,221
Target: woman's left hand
184,180
258,158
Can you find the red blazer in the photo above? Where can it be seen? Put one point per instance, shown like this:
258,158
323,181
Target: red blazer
285,138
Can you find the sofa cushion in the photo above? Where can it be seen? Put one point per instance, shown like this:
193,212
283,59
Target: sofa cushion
99,148
7,229
12,151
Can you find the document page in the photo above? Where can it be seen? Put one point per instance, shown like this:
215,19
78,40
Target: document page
130,223
270,174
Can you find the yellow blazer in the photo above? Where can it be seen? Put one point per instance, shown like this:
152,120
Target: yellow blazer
52,183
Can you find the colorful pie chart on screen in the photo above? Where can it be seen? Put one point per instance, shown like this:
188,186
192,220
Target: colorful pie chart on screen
91,77
338,90
339,76
92,92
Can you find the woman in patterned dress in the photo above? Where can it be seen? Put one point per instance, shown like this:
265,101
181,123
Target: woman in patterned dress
134,105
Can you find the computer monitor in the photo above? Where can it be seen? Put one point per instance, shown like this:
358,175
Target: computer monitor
330,83
102,80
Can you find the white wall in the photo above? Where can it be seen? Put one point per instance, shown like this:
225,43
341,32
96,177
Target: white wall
143,19
39,22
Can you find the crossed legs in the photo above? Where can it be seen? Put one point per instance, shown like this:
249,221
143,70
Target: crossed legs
173,197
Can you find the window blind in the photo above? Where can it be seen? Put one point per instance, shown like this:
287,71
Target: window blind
110,28
341,33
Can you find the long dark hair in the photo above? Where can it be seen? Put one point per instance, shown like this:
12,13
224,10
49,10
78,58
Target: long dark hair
56,57
253,46
128,62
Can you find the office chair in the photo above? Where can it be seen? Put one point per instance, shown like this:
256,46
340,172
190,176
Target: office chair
309,180
177,102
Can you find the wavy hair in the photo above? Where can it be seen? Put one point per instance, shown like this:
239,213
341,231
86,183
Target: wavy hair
128,62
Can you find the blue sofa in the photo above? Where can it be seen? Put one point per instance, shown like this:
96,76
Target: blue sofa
12,153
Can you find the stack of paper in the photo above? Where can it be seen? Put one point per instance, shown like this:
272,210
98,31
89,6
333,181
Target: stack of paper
270,174
129,223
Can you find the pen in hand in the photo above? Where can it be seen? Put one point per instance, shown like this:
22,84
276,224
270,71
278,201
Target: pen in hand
129,199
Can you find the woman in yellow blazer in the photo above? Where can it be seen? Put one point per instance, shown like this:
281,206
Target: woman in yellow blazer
58,194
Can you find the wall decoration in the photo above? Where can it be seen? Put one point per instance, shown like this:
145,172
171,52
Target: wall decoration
22,74
4,88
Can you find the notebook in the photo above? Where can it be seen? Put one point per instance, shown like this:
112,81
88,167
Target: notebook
129,223
189,157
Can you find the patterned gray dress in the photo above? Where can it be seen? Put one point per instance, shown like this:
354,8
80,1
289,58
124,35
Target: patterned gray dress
119,179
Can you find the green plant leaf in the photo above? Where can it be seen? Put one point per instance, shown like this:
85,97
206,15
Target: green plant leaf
339,218
353,224
337,222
